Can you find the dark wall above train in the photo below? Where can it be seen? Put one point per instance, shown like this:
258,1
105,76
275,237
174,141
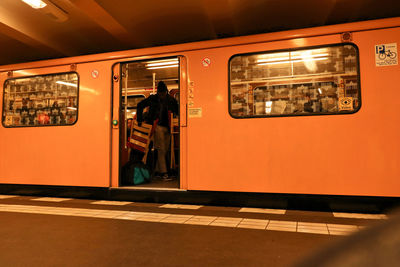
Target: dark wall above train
63,28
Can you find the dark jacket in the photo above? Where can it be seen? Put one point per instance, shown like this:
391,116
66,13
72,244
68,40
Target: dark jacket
154,102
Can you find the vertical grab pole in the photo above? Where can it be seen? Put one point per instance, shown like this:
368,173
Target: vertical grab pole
154,82
126,105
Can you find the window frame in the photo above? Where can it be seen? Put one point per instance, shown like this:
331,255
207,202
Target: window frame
42,75
344,112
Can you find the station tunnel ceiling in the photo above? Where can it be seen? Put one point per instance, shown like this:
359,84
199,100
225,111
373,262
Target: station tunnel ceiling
66,28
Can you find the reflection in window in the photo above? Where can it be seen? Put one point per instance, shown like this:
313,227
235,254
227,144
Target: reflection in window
302,82
46,100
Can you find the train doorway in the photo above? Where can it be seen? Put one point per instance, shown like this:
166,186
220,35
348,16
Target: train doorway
137,142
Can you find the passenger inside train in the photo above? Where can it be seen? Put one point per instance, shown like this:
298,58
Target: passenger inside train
151,125
161,107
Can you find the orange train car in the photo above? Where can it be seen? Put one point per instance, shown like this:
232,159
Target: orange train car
308,111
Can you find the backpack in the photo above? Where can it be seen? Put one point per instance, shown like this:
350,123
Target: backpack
135,173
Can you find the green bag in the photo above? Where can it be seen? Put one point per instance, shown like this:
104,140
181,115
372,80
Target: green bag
134,173
141,174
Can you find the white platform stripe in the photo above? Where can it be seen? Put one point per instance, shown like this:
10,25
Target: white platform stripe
178,206
359,215
7,196
233,222
51,199
258,210
106,202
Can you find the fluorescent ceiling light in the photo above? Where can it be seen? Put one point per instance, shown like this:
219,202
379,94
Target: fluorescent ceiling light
163,60
272,59
171,62
276,59
311,56
68,84
163,67
292,61
35,3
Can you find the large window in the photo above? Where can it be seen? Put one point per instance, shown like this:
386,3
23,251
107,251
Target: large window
315,81
46,100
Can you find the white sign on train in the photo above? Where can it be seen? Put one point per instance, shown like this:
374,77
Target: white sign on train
386,54
195,113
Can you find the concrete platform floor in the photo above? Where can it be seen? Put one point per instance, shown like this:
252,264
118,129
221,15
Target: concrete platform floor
38,231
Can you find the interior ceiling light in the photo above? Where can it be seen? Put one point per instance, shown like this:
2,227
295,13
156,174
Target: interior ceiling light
67,84
272,59
35,3
53,11
163,60
158,63
292,57
293,61
163,67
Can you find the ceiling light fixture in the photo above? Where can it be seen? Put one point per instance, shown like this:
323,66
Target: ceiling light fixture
276,59
36,4
292,61
53,11
310,56
171,62
272,59
163,67
67,84
162,60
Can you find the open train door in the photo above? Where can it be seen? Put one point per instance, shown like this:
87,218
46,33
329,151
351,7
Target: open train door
132,82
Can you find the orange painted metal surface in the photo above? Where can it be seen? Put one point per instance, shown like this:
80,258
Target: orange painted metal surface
357,154
63,155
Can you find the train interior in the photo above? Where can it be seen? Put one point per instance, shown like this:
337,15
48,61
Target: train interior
139,81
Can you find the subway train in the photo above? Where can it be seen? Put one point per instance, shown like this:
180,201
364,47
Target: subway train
308,111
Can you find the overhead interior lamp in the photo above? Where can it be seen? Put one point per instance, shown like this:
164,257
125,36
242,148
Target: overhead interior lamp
310,56
163,67
162,63
36,4
47,7
303,57
67,84
292,61
272,59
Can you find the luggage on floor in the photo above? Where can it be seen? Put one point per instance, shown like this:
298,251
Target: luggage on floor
135,173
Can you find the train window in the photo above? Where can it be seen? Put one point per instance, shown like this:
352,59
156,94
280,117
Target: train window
314,81
45,100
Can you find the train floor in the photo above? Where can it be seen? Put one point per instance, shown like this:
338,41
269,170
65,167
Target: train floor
45,231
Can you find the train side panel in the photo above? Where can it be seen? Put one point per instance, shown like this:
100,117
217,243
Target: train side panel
77,155
354,154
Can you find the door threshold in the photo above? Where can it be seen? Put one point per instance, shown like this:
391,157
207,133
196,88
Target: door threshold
142,188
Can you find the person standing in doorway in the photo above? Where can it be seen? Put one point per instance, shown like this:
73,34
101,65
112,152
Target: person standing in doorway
160,105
